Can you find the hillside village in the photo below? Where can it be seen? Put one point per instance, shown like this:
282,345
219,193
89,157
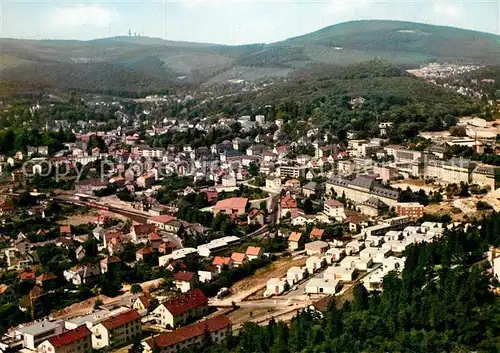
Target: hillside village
165,234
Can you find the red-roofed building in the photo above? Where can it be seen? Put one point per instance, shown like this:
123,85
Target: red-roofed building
317,233
188,337
185,281
117,330
155,240
239,259
179,310
211,195
221,261
27,274
287,204
141,232
46,280
253,253
76,341
108,263
144,254
231,206
256,217
166,248
143,302
161,221
296,241
65,230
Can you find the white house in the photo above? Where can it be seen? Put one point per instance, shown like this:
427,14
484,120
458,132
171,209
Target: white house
275,286
357,263
376,254
334,209
334,255
314,264
296,274
354,247
344,274
322,286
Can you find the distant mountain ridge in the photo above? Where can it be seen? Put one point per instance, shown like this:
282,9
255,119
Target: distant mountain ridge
163,62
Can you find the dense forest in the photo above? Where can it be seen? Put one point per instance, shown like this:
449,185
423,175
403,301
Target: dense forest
324,96
441,303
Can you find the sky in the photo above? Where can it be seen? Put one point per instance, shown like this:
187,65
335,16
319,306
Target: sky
227,22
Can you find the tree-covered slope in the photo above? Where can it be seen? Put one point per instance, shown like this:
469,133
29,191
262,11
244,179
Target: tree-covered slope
403,43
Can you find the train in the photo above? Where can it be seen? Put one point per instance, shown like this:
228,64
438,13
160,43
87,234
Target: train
96,205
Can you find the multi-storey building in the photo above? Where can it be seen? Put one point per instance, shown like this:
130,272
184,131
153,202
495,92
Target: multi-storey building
117,330
189,337
74,341
179,310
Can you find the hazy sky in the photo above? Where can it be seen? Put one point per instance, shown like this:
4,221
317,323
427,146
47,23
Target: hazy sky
227,22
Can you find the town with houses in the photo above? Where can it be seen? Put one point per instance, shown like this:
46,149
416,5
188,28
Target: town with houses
325,216
156,249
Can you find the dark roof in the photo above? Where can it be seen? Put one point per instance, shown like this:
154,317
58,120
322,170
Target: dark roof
169,339
311,186
363,181
184,276
339,181
375,202
383,192
182,303
144,228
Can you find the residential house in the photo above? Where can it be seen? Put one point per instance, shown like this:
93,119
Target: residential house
142,303
179,310
287,204
82,274
144,254
186,338
239,259
141,232
161,221
184,281
46,280
334,209
322,286
117,330
296,274
65,230
257,217
361,264
275,286
317,233
232,206
78,340
316,247
314,264
208,273
109,263
344,274
254,253
334,255
36,333
310,189
296,241
220,262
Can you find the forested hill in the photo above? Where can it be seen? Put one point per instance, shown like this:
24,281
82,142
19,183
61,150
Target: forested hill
442,303
323,94
402,43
